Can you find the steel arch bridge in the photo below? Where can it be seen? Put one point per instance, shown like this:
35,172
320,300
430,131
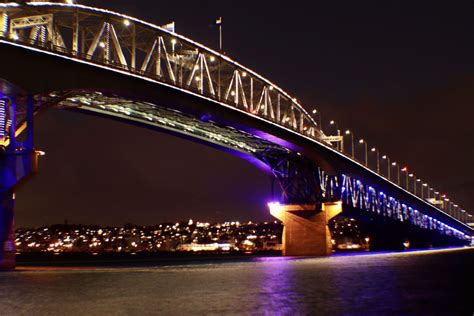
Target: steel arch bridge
113,65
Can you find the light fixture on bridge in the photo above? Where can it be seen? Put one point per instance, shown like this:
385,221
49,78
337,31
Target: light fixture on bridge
373,149
271,89
126,22
102,44
69,1
394,163
418,180
361,141
348,132
411,175
404,169
315,111
275,208
384,157
15,36
244,74
213,59
425,184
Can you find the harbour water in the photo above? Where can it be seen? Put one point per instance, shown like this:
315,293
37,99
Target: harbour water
436,282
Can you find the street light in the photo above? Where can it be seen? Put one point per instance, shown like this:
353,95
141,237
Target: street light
388,165
341,145
376,151
366,152
398,172
405,169
348,132
429,193
424,185
418,180
411,175
443,198
319,117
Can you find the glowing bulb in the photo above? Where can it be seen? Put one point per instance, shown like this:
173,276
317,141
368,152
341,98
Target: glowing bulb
126,22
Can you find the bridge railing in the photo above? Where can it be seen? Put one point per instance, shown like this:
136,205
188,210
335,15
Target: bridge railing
116,41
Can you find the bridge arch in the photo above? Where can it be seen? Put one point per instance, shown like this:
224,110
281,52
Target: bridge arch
110,64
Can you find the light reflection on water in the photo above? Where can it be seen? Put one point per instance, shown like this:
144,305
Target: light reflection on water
426,283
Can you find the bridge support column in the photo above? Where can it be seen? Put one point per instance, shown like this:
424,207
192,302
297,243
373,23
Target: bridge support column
15,169
7,231
306,231
18,162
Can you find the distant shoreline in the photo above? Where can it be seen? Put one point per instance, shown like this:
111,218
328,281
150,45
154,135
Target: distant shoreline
133,259
150,259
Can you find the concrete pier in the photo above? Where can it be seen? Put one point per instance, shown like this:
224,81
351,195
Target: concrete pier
15,169
7,231
306,231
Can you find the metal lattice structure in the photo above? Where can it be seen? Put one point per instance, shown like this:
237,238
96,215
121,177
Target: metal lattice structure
124,43
129,46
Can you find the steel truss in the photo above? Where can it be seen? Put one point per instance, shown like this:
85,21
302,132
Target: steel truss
113,40
356,194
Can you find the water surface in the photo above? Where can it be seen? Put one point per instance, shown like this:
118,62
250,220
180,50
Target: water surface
432,282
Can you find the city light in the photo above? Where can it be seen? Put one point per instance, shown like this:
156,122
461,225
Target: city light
126,22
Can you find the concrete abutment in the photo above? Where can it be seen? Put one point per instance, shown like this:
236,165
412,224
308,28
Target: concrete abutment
306,231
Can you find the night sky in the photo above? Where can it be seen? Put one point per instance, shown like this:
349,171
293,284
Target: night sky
398,74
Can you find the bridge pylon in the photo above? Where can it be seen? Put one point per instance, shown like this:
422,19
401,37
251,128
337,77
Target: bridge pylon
18,162
305,227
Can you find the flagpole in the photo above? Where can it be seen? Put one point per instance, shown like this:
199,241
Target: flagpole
219,22
220,34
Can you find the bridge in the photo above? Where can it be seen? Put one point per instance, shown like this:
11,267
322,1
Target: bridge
103,63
